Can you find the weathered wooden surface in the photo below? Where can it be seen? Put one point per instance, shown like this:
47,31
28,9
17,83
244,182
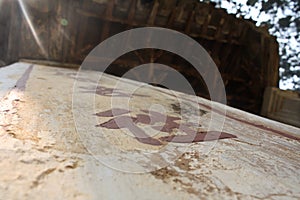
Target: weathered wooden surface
66,31
42,155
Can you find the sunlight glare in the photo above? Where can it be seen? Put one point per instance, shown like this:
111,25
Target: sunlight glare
32,29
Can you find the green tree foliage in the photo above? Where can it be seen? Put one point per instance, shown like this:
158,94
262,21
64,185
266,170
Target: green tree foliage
283,20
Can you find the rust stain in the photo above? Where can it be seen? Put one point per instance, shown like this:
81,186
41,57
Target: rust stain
169,174
164,173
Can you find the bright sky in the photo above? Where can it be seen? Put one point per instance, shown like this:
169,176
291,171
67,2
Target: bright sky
261,17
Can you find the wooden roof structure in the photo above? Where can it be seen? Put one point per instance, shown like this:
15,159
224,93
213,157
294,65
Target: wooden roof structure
66,31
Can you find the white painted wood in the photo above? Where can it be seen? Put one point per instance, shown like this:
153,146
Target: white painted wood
42,155
9,76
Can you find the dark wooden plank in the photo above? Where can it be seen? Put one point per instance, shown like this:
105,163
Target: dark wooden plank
5,21
34,38
71,30
153,13
131,12
190,21
14,33
56,30
172,17
109,15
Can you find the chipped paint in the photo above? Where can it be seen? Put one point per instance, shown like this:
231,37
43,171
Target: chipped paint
42,156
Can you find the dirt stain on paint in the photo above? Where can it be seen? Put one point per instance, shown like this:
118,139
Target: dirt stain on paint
21,83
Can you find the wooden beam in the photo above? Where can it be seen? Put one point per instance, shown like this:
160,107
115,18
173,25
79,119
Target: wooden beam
190,20
131,12
14,33
153,13
133,23
142,60
172,17
109,15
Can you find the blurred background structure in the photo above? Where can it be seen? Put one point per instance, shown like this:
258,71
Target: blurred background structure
282,18
66,31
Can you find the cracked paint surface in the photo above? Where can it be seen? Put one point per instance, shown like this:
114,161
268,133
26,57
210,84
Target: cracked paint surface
41,155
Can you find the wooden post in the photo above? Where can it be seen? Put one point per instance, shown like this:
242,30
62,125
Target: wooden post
109,15
14,32
153,13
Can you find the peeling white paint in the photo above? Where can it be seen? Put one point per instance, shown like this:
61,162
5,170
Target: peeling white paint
42,156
